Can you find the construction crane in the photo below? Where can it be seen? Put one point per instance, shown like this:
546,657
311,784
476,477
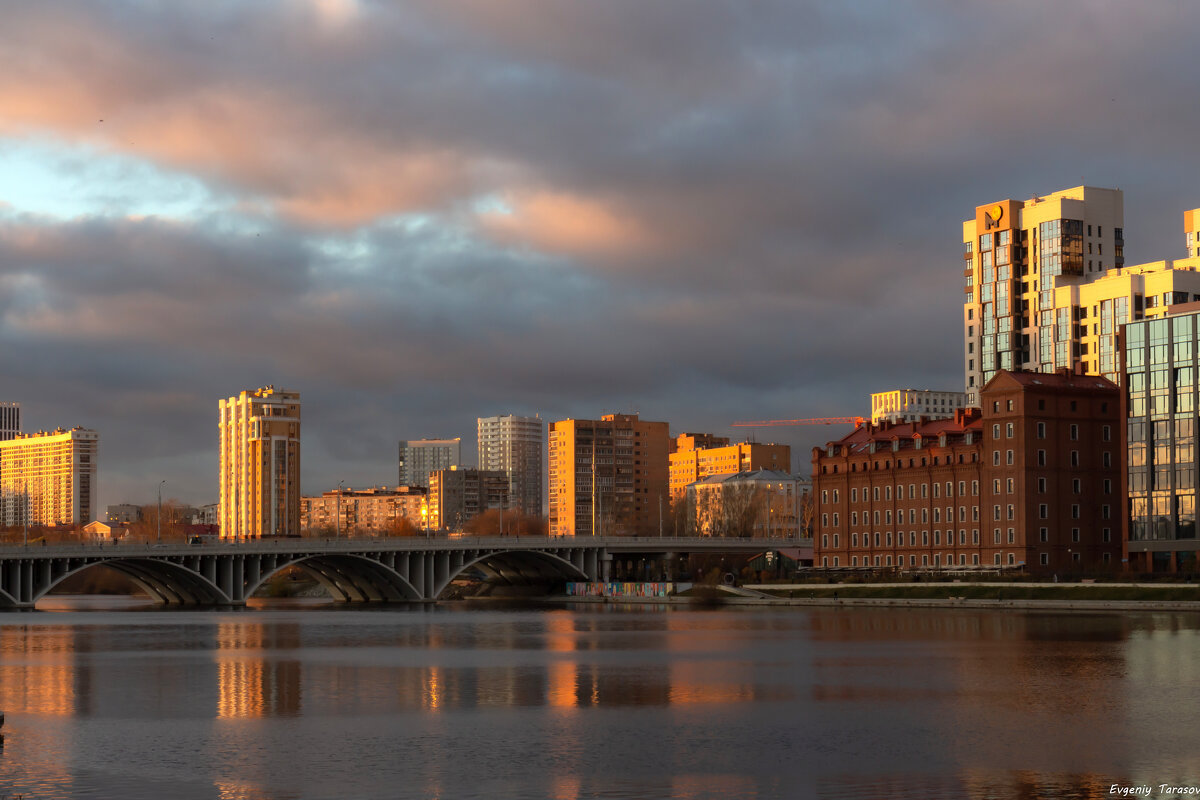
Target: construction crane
773,423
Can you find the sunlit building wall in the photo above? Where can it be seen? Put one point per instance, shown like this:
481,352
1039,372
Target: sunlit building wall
260,463
608,476
516,446
49,478
1017,253
909,405
690,464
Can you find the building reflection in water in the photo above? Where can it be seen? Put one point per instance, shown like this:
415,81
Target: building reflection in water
37,670
253,680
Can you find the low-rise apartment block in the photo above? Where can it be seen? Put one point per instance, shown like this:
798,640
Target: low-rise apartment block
363,512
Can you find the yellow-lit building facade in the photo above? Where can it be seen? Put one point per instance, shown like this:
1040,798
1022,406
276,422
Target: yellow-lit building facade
608,477
1017,255
689,463
49,478
260,464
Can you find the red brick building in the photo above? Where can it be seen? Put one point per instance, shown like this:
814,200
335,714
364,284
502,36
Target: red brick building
1030,482
1052,470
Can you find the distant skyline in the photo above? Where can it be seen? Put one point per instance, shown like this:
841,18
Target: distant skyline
420,213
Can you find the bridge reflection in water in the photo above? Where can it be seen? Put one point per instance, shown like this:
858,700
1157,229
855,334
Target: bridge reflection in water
409,569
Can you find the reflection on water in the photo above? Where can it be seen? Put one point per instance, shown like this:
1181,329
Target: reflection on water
285,703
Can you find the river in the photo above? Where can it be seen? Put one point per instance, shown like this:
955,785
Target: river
311,701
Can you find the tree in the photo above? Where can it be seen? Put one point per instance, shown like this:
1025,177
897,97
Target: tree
515,524
402,526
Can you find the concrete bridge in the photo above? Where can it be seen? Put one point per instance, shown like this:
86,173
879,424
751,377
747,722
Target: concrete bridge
411,569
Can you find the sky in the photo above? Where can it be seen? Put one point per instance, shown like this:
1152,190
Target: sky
420,213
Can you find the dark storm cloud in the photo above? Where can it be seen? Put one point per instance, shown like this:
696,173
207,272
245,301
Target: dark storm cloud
438,210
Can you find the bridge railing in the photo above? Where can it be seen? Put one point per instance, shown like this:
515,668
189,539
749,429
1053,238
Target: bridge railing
152,548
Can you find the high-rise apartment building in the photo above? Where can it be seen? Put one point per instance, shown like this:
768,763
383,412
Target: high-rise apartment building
456,495
688,463
419,457
49,478
608,477
10,420
909,405
260,463
516,446
1017,255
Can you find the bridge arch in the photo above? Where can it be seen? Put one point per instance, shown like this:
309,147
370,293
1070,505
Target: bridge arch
517,568
348,578
164,581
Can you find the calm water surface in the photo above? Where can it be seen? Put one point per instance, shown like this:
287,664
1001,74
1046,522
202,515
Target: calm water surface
287,702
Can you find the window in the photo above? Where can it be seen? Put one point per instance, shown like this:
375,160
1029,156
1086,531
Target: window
1041,458
1041,430
1043,511
1106,534
1041,485
824,496
854,540
835,542
825,540
1012,535
1075,511
1043,559
995,458
1074,432
996,431
854,495
1043,534
1010,430
887,492
1012,511
1106,433
995,536
835,495
1012,559
1009,458
1075,535
1106,459
836,519
1076,486
1074,458
974,488
853,517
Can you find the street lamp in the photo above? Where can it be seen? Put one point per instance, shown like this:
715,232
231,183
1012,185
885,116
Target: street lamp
338,515
160,485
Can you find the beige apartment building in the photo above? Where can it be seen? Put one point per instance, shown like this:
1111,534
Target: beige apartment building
49,478
689,463
909,405
1017,254
458,494
377,511
608,477
260,463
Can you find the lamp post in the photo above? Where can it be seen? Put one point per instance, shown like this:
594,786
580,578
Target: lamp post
160,485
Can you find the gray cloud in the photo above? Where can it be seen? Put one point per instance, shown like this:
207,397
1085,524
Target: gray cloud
438,210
